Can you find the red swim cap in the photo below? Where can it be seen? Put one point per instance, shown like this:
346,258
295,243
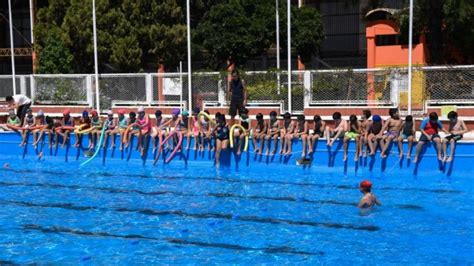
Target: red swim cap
365,184
121,111
66,112
94,113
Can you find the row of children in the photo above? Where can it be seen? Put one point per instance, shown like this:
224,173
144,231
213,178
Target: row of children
369,133
372,132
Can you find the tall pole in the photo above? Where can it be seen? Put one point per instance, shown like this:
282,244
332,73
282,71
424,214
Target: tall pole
12,51
277,22
288,22
277,31
410,46
188,22
181,82
96,67
31,21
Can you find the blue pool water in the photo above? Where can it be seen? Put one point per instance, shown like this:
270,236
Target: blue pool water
124,212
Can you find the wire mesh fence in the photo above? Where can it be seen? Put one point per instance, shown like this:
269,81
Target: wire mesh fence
452,84
60,89
369,87
354,87
116,88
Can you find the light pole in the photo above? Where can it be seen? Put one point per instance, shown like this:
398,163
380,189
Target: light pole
188,22
410,47
96,68
288,22
12,51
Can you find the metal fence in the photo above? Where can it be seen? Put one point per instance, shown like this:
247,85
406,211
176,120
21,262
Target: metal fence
356,87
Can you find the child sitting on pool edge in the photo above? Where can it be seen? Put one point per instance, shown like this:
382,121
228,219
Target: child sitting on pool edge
456,129
369,200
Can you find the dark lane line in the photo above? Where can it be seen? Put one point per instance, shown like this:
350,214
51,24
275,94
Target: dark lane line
215,195
151,212
175,193
233,180
175,241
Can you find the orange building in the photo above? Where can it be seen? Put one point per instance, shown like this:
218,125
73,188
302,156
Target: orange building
387,49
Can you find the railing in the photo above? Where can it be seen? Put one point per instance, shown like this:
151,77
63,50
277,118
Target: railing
310,89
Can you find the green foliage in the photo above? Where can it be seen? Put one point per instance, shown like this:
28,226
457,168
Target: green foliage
233,30
54,57
447,24
134,35
238,30
307,32
130,33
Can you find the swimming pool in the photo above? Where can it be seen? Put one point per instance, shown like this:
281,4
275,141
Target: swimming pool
271,212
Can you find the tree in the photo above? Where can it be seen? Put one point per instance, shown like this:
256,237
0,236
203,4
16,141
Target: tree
307,32
54,57
230,30
447,25
130,34
242,29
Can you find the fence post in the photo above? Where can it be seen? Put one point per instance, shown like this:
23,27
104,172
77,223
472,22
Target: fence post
22,85
90,94
148,89
307,88
33,87
221,91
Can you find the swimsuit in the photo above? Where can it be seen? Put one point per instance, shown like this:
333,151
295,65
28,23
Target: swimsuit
144,124
407,130
317,129
392,133
301,127
222,132
182,124
275,126
123,124
97,124
352,134
15,121
195,126
135,127
245,123
204,125
30,121
456,137
109,123
260,127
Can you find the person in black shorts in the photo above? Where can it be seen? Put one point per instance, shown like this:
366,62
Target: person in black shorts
238,95
20,102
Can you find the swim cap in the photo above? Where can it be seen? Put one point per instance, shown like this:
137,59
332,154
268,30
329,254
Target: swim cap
185,113
273,113
158,113
140,109
376,118
175,111
196,110
40,113
94,113
85,113
121,111
66,112
110,112
365,184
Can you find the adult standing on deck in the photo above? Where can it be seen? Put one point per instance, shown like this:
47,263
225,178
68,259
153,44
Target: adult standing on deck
238,95
21,102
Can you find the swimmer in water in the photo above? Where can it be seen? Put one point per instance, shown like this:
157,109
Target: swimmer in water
369,200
